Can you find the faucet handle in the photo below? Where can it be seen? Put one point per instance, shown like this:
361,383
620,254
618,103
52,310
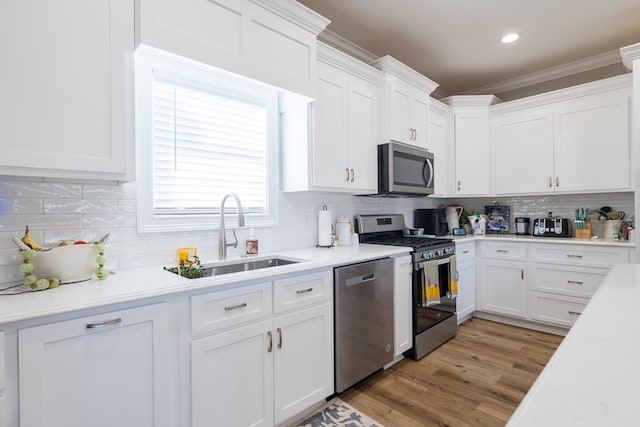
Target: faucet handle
235,239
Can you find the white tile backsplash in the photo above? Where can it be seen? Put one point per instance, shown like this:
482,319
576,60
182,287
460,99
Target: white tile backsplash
87,211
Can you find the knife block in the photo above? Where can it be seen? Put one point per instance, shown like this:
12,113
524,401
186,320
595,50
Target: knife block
584,233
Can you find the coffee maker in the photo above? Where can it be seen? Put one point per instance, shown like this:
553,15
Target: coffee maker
433,221
522,225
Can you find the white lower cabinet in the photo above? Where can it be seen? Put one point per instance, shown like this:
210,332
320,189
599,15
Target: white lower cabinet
264,372
3,398
503,288
402,304
466,268
112,369
556,309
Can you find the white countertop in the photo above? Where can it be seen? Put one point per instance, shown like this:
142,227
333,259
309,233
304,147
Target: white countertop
137,283
592,378
538,239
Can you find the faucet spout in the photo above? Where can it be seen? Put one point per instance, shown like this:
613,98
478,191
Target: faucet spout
222,235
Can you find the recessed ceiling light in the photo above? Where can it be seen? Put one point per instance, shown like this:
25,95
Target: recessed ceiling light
510,38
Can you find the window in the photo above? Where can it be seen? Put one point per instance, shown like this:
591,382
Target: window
202,133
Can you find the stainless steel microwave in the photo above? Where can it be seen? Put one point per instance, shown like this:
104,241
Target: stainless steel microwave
404,170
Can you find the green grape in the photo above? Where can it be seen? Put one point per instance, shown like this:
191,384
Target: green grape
41,284
29,279
30,254
26,268
53,283
101,273
101,260
100,248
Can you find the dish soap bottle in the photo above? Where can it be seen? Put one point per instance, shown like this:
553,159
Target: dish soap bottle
251,244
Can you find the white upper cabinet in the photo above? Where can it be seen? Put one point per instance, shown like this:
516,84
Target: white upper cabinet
341,153
405,103
273,41
439,137
522,152
574,140
471,142
66,108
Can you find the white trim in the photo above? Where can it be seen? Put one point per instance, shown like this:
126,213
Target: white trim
339,59
629,53
568,69
295,13
470,100
344,45
394,67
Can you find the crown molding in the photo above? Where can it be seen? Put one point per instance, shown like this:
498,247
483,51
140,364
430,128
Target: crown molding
471,100
344,45
565,70
345,62
296,13
390,65
629,53
604,85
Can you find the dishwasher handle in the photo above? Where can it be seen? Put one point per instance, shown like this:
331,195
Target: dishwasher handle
359,280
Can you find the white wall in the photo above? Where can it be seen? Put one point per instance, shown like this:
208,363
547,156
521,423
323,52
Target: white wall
57,210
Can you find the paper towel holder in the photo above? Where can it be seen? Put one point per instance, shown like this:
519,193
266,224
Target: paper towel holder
324,208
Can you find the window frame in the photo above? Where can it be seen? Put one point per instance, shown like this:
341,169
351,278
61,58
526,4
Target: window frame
195,75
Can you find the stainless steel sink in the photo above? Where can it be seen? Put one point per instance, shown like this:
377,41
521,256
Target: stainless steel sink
248,265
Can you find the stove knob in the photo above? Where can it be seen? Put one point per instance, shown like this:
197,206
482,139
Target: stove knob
423,255
439,252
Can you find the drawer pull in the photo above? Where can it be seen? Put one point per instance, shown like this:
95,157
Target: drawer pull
465,252
270,347
279,338
103,324
235,307
577,313
304,291
575,282
502,251
574,256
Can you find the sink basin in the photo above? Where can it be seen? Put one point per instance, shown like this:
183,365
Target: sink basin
245,265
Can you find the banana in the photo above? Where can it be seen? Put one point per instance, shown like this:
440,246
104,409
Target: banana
29,241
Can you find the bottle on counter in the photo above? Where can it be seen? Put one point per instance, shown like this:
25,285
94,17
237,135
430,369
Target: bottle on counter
251,243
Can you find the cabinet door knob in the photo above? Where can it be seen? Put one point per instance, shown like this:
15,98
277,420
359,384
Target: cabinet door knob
347,170
550,183
270,347
279,337
353,175
522,274
557,182
458,185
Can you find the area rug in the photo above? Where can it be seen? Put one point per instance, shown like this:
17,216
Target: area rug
338,413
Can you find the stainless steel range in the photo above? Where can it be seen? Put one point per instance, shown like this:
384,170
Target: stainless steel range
434,282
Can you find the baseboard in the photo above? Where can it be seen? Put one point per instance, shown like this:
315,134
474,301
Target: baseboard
522,323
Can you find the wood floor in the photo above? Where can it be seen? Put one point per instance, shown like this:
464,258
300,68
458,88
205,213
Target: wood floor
476,379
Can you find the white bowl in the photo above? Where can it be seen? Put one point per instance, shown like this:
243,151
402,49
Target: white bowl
74,263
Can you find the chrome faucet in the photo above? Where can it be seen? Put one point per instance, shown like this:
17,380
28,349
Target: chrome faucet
222,238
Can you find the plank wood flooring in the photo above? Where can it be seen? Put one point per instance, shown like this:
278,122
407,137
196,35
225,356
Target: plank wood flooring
476,379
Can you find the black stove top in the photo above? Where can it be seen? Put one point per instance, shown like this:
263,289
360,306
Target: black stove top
415,242
389,230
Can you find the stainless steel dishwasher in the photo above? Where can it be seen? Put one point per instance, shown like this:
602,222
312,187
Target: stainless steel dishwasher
363,320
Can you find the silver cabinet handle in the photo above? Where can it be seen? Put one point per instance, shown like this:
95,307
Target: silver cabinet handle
303,291
353,175
347,170
465,252
103,324
522,274
458,185
574,256
577,313
575,282
279,337
557,182
550,183
502,251
270,347
235,307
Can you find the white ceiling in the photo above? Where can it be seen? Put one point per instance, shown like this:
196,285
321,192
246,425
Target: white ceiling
456,43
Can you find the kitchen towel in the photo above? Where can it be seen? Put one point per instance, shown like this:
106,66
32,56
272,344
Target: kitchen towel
430,284
325,228
453,277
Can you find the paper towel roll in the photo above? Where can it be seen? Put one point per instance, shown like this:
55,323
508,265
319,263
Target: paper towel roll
325,228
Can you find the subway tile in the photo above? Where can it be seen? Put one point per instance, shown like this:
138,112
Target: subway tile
39,189
127,206
40,222
108,220
18,206
103,191
6,237
80,206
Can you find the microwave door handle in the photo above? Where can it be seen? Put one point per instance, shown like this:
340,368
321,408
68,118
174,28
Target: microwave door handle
429,180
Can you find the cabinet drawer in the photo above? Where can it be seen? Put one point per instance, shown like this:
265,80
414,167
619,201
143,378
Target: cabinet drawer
465,251
563,311
301,291
567,280
503,250
217,310
596,256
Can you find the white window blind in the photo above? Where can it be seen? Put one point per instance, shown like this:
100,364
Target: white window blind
202,133
204,146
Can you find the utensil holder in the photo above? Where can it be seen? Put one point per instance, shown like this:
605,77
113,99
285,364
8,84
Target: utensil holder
612,229
584,233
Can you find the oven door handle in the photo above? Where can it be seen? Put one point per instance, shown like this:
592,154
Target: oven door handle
441,261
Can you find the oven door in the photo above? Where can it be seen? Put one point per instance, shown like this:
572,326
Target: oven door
428,312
